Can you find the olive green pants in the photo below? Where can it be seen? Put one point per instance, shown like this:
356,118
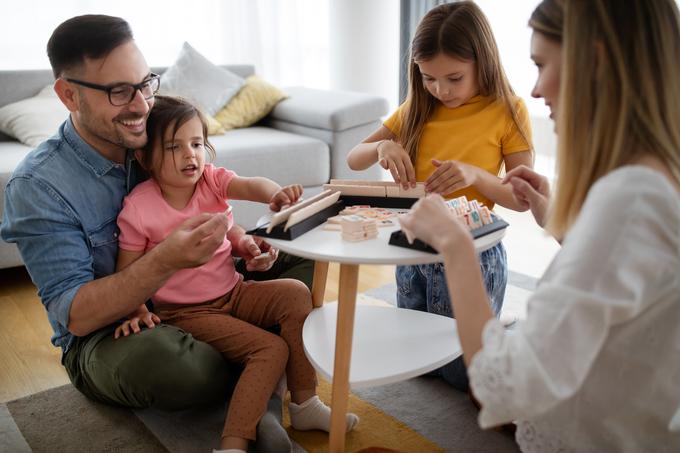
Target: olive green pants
165,367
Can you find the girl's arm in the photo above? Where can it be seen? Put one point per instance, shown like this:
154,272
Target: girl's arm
381,147
252,189
452,239
455,175
471,303
365,153
127,257
263,190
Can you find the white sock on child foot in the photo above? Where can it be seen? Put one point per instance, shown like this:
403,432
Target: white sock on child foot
314,414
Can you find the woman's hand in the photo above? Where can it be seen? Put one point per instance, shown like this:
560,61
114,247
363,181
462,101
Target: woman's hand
450,175
531,190
132,325
431,221
393,157
285,196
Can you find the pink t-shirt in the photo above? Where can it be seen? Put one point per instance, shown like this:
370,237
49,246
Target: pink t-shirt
147,219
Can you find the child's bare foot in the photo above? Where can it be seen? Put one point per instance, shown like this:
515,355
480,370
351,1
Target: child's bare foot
314,414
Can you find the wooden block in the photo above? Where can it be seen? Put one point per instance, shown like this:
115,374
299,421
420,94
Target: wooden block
486,215
356,190
393,191
359,237
307,211
283,215
353,223
417,192
361,182
385,222
336,219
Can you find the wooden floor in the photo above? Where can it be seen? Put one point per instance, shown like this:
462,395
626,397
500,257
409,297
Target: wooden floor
29,363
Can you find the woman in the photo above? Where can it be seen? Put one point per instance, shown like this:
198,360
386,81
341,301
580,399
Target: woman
595,365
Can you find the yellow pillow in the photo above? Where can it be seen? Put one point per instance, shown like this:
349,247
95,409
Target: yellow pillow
214,126
252,103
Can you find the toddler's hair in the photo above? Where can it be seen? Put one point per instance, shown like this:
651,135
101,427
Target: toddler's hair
170,112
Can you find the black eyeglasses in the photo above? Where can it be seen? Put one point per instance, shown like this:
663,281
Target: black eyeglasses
123,93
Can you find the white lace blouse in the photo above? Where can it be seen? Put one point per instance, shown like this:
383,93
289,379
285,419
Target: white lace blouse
596,364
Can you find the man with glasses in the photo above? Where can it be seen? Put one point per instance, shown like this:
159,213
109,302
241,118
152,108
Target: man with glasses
61,206
124,93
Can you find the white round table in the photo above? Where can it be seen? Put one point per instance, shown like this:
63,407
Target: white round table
390,344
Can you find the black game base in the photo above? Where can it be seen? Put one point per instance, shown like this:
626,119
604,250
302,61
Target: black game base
299,228
323,215
398,237
379,202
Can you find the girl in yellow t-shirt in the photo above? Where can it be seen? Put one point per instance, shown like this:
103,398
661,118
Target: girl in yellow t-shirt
460,125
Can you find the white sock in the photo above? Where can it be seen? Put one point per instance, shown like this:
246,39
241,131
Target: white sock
314,414
230,450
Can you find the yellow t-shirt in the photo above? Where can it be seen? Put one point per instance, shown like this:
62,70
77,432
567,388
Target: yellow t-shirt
480,132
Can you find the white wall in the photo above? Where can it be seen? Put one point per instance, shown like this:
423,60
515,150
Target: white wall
509,22
364,47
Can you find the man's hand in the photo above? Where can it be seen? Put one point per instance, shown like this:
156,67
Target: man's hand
194,242
258,254
285,196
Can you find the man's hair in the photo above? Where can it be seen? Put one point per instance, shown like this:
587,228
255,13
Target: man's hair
89,36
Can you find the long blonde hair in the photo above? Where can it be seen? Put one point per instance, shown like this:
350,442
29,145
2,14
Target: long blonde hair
459,30
619,95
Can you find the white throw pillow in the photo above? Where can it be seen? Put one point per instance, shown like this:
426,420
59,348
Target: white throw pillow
194,77
34,120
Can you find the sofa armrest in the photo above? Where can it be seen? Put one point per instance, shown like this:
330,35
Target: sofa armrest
341,119
326,109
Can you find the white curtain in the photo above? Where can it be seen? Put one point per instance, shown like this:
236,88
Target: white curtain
286,40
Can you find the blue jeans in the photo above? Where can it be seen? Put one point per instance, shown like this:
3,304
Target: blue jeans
423,287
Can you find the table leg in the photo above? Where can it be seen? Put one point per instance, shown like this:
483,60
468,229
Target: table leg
347,298
319,283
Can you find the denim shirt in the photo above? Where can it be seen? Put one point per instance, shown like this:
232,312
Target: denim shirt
61,205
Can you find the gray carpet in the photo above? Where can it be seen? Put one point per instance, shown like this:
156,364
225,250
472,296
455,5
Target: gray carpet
439,413
62,420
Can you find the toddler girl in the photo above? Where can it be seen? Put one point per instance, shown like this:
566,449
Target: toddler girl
212,302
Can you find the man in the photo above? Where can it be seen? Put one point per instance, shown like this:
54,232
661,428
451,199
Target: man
61,206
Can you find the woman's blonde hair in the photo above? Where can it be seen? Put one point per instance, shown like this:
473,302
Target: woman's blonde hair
459,30
619,95
548,19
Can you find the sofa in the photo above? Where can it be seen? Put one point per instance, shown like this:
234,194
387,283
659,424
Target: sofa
305,139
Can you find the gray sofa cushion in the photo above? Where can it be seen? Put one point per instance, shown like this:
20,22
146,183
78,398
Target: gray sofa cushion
281,156
332,110
11,154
